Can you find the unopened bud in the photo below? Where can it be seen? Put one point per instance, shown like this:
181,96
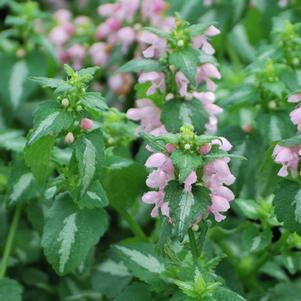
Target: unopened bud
272,105
172,68
20,53
296,61
187,146
195,227
79,108
137,26
248,128
65,102
180,43
169,96
69,138
86,124
188,96
205,149
170,147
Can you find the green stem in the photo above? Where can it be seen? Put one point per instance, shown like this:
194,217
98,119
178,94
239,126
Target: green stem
134,226
10,241
193,245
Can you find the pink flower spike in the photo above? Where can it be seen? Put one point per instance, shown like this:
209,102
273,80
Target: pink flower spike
156,160
86,124
191,179
182,83
157,45
295,116
156,78
224,144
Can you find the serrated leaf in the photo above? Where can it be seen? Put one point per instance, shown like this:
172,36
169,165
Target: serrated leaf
10,290
89,153
135,292
37,157
141,260
49,119
290,142
225,294
156,31
70,233
186,61
95,197
248,208
94,101
186,163
47,82
287,203
12,140
177,112
185,206
142,65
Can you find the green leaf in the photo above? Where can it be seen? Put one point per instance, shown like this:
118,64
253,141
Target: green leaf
70,233
156,31
89,151
186,61
94,101
248,208
186,206
37,157
198,29
141,65
95,197
124,181
290,142
135,292
287,291
87,74
225,294
12,140
10,290
49,119
287,203
186,163
47,82
141,261
177,112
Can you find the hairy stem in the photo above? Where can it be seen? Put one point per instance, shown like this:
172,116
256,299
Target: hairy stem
9,242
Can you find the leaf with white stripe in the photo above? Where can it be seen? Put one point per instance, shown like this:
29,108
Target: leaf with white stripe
89,153
185,206
70,233
178,112
49,119
12,140
141,260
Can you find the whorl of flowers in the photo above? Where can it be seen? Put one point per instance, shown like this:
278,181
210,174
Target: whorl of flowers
211,173
289,155
78,40
173,83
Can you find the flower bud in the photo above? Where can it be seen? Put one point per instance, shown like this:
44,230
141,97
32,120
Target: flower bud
86,124
187,146
180,43
195,227
272,105
79,108
170,147
188,96
169,96
65,102
172,68
69,138
20,53
248,128
205,149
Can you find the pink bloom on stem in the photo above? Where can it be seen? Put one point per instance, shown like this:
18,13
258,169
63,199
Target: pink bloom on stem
63,16
86,124
147,113
114,24
77,53
157,179
191,179
205,149
156,78
157,45
108,9
283,3
102,31
99,54
156,198
127,36
151,9
202,40
170,147
58,36
294,97
211,126
288,157
182,83
295,116
205,72
223,143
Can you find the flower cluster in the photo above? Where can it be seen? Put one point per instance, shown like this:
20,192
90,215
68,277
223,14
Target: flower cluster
78,41
213,174
289,156
173,83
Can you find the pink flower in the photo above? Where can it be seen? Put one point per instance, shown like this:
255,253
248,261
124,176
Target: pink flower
205,149
208,2
151,9
156,78
69,138
288,157
295,97
127,36
86,124
99,54
191,179
295,116
211,126
170,147
157,45
157,179
156,198
283,3
58,36
205,73
102,31
160,161
224,144
182,83
108,9
147,113
113,24
202,40
77,54
63,16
